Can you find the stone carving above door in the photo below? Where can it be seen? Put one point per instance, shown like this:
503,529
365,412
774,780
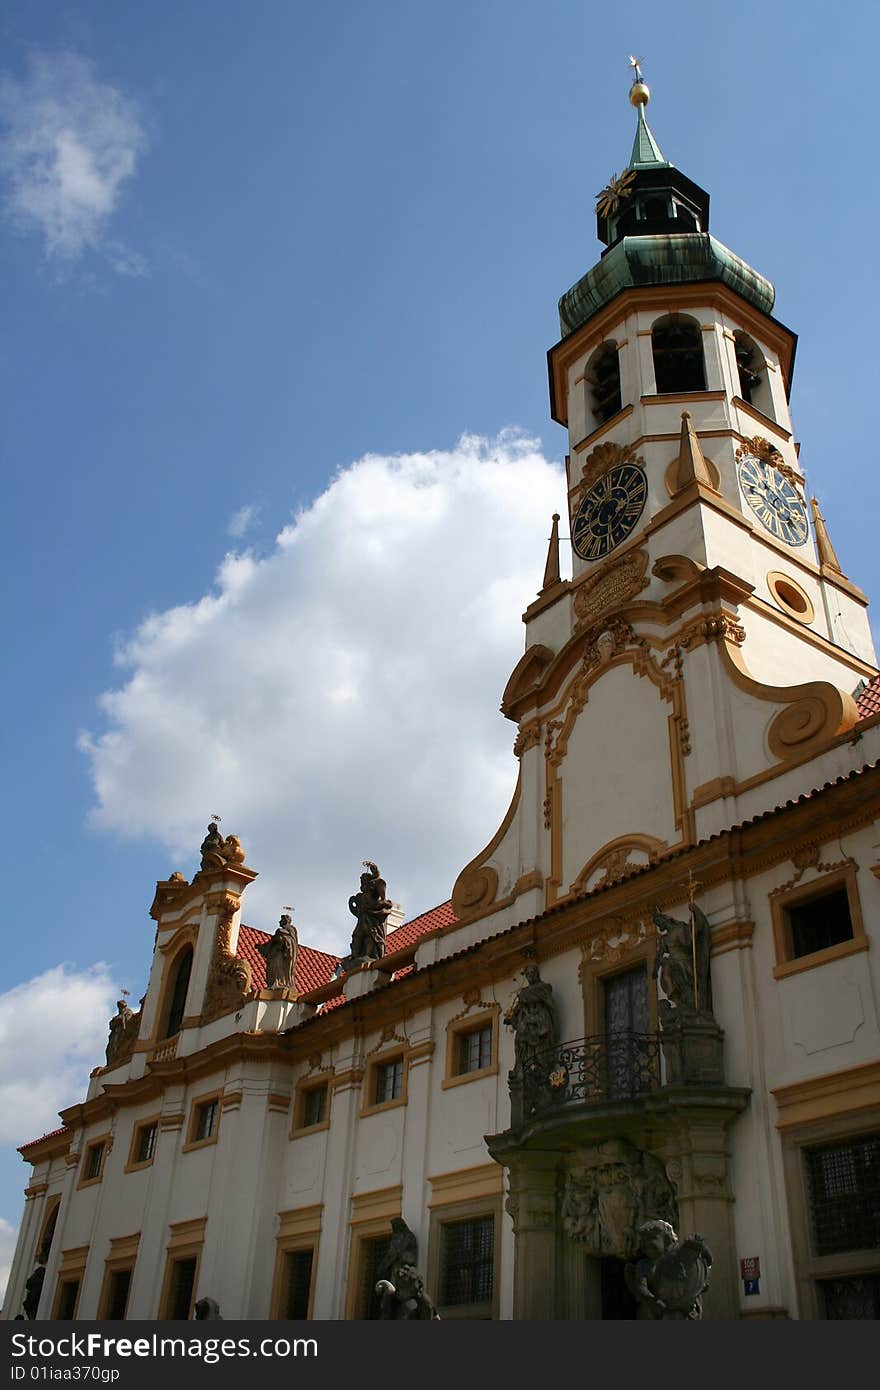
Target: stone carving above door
610,1190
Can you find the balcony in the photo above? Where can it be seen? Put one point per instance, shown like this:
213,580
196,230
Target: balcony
608,1067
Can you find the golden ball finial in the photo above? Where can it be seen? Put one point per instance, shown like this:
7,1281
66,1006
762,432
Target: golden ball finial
639,92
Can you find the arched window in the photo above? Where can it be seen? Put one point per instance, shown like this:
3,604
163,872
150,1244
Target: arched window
176,995
603,382
754,388
48,1231
678,354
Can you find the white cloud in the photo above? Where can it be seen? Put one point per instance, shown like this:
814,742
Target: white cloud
8,1237
42,1061
242,520
338,700
68,144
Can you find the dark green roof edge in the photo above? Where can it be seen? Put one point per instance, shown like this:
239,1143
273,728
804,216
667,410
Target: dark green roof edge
672,259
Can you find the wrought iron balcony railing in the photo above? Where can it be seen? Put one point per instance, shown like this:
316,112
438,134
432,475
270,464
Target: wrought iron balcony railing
611,1066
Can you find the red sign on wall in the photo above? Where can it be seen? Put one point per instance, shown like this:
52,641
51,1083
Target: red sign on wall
750,1267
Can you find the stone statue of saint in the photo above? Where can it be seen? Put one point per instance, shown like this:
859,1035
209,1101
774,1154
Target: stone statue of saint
405,1298
123,1034
534,1019
371,908
33,1287
403,1249
672,1275
207,1310
279,953
680,947
217,853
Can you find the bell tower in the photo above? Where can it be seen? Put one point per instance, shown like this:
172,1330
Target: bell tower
708,643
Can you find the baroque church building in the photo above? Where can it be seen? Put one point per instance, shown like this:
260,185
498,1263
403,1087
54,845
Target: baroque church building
653,995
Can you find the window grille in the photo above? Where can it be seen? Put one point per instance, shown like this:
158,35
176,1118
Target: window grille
603,376
183,1278
299,1283
117,1301
844,1190
67,1300
467,1274
858,1297
373,1252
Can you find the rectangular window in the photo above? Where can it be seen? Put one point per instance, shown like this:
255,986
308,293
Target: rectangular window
67,1296
372,1253
475,1049
145,1145
389,1081
467,1262
93,1161
205,1121
117,1294
297,1283
314,1106
857,1297
180,1293
844,1187
819,922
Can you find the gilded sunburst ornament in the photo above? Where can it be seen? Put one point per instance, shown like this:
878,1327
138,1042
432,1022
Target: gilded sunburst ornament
619,186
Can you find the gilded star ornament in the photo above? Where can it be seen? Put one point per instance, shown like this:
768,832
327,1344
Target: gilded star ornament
619,186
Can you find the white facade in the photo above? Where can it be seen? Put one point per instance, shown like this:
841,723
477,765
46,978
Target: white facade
686,726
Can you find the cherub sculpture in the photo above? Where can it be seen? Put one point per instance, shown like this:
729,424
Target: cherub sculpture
670,1278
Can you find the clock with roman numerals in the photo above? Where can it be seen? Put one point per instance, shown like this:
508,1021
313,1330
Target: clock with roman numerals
773,499
609,511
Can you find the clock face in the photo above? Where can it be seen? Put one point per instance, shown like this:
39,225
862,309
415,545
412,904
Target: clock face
774,500
609,511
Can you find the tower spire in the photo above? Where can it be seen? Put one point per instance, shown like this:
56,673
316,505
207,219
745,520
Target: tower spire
827,556
551,569
646,153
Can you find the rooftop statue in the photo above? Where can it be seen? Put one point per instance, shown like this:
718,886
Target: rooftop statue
123,1034
218,853
371,907
670,1278
279,953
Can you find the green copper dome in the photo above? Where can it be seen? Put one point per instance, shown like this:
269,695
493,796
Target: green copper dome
669,259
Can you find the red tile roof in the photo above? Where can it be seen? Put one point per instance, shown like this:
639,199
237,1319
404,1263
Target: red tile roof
316,968
53,1134
313,968
408,932
869,700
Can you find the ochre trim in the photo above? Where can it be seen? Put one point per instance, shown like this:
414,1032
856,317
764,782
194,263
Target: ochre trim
459,1027
466,1184
822,1097
477,884
731,936
300,1221
381,1204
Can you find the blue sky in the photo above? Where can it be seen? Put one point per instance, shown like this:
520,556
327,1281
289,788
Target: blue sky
292,244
